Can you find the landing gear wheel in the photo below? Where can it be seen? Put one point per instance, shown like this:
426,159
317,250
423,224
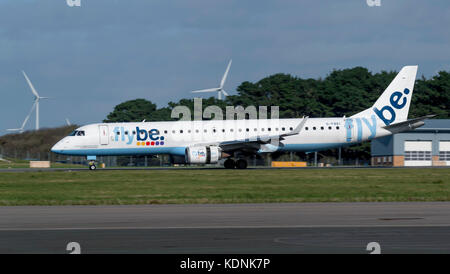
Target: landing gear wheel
229,164
92,166
241,164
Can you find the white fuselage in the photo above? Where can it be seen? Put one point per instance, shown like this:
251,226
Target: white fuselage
147,138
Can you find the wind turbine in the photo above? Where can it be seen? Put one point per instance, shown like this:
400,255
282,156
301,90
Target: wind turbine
37,98
68,122
220,89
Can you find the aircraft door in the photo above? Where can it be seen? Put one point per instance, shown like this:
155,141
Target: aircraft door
350,130
104,134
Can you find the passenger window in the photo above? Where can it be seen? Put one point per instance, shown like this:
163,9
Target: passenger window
306,128
321,128
165,132
337,127
314,128
291,128
283,129
329,128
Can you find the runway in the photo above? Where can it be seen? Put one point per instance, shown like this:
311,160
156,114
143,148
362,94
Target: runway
232,228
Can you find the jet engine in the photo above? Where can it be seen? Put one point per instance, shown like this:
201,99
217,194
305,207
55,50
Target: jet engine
203,155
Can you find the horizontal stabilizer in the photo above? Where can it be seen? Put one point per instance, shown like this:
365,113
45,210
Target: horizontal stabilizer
408,124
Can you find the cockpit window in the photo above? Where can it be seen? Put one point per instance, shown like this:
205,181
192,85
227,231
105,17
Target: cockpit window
77,133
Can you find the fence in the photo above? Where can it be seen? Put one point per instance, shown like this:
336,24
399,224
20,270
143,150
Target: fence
325,158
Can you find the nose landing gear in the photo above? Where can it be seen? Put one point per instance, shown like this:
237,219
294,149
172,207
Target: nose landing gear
92,159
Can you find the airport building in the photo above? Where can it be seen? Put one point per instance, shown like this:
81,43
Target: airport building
428,145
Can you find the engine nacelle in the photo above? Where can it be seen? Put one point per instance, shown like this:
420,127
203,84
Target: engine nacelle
203,155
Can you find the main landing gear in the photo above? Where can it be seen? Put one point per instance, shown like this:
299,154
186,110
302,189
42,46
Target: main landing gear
239,164
92,165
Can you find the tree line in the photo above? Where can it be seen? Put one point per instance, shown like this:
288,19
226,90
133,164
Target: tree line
342,92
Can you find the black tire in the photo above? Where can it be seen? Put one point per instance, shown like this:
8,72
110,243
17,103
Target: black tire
241,164
229,164
92,167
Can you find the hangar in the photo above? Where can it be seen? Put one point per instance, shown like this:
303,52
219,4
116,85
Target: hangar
428,145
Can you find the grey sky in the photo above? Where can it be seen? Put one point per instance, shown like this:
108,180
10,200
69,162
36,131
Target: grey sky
90,58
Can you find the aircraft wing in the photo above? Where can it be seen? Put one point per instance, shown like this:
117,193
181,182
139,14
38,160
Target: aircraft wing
255,144
408,124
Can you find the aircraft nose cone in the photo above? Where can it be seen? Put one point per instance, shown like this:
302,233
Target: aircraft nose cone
54,149
57,148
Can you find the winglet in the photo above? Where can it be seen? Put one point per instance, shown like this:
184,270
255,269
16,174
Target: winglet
298,128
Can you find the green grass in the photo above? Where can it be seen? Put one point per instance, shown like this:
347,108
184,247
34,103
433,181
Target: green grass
224,186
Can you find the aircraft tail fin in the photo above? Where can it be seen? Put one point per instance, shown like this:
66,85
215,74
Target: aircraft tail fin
393,105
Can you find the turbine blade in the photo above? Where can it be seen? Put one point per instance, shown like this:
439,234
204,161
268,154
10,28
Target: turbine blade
68,122
28,116
225,93
30,84
206,90
224,78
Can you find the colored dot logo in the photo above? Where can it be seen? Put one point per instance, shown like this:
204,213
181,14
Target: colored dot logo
153,143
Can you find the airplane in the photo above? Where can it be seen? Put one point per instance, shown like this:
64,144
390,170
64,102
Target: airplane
208,142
